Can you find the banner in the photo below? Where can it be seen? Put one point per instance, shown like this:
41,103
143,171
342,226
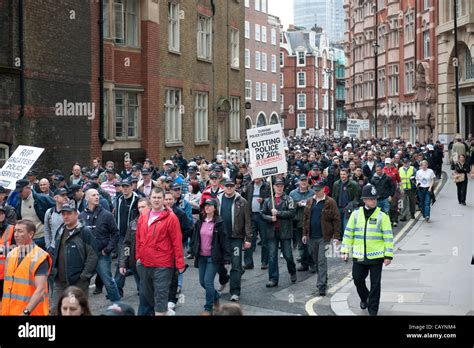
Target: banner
353,128
18,165
267,153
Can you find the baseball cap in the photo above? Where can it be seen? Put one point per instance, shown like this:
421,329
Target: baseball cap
148,160
176,187
146,171
134,179
60,192
318,186
303,177
74,188
58,178
126,182
20,184
213,175
67,207
110,170
32,173
172,169
168,179
229,182
192,169
210,201
279,182
430,147
388,161
120,309
168,162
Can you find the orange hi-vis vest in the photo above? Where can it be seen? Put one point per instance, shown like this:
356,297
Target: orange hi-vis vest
19,283
5,242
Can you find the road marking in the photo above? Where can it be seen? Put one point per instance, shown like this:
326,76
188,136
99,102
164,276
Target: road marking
309,305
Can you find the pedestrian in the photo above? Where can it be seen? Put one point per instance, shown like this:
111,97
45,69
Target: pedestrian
230,309
74,254
461,170
213,190
109,185
147,184
424,182
255,194
10,213
279,212
104,229
32,177
408,188
127,171
369,166
33,206
392,172
194,198
7,243
322,223
235,212
45,187
76,176
73,303
210,249
368,239
53,218
25,287
76,193
459,148
300,196
385,188
346,194
159,250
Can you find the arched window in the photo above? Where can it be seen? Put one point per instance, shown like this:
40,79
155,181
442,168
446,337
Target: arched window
373,125
469,75
261,120
274,119
385,128
413,131
248,123
4,154
398,128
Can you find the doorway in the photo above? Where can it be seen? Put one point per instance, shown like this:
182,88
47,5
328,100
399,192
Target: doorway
469,120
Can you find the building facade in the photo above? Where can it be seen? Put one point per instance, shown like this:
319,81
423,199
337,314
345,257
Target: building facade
391,53
447,125
262,68
340,93
328,14
307,81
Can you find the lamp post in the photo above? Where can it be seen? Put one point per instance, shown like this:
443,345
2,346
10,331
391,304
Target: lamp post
456,64
375,47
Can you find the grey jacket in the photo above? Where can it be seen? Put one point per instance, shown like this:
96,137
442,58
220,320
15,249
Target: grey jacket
286,213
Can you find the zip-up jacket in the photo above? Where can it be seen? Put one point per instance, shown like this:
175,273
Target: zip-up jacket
299,196
286,213
42,204
103,227
241,219
220,247
384,185
131,214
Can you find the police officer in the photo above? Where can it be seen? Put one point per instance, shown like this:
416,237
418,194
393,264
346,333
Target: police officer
368,238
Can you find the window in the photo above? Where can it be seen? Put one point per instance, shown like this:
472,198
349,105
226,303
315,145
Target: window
381,39
426,4
258,91
247,3
247,29
273,36
302,121
257,5
282,102
469,66
173,27
426,44
264,34
204,33
264,62
261,120
126,22
126,115
173,115
409,77
413,131
316,77
282,59
409,27
393,80
281,80
316,100
264,92
108,131
4,154
301,101
385,128
398,128
248,89
247,58
264,6
274,92
258,61
234,118
301,59
301,79
274,119
274,63
257,32
201,112
316,119
234,48
106,23
381,83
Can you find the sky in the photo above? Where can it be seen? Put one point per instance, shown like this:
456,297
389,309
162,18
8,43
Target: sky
282,9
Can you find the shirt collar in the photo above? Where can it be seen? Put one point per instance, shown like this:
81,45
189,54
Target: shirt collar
322,199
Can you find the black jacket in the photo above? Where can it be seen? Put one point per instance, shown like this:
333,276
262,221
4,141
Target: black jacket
220,250
286,213
42,203
128,253
81,254
183,222
132,213
264,193
384,185
368,173
103,227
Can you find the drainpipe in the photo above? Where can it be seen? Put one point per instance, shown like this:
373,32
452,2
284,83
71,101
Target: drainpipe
102,137
21,52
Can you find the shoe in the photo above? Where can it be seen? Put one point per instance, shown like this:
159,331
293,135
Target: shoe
281,255
259,243
298,259
403,220
312,269
222,287
373,314
171,306
363,305
179,290
463,203
413,217
322,293
395,224
235,298
206,314
293,278
427,219
264,267
271,284
97,291
128,273
302,268
170,313
248,267
216,306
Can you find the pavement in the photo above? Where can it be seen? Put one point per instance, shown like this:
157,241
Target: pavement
431,273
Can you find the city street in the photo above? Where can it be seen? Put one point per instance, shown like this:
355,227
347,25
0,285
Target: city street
300,298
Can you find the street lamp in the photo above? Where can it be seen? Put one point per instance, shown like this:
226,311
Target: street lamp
456,65
329,72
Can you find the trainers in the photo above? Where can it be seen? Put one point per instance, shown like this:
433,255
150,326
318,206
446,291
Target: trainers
312,269
271,284
427,219
222,287
170,313
264,267
97,291
216,306
395,224
235,298
293,278
171,306
322,293
281,255
248,266
302,268
363,305
298,259
206,314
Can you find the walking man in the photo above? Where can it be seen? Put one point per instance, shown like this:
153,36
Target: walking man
408,187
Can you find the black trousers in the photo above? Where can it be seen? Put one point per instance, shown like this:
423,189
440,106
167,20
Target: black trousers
359,273
173,295
462,191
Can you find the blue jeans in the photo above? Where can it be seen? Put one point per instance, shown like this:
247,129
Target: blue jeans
344,221
273,272
104,271
384,204
303,252
207,274
424,201
258,226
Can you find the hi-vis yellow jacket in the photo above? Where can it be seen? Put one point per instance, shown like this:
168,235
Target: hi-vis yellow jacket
371,238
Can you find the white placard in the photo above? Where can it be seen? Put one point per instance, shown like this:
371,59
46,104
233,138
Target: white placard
18,165
267,153
353,128
299,132
312,132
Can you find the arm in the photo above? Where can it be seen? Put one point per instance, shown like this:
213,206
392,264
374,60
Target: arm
336,220
348,240
290,213
114,234
224,244
387,237
91,257
248,222
306,220
47,229
174,233
39,294
138,245
125,252
266,211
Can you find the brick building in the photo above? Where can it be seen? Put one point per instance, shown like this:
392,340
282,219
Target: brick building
262,68
307,80
42,66
391,51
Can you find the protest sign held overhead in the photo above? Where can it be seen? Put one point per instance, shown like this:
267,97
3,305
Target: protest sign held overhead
18,165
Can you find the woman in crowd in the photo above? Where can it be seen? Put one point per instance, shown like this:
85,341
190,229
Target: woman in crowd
424,182
73,302
461,167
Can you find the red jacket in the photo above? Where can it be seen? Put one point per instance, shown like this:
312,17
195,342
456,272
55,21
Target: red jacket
393,173
206,194
160,244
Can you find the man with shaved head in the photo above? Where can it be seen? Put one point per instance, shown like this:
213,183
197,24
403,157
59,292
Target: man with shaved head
106,233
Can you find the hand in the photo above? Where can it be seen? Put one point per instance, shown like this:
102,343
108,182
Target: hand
123,271
104,253
227,266
304,240
387,262
259,200
181,270
274,218
337,242
345,257
274,212
247,245
389,198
